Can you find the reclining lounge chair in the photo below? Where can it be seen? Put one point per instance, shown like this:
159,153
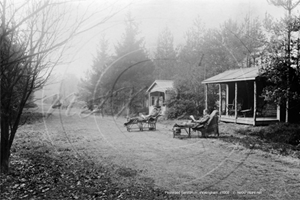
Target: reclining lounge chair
141,123
209,127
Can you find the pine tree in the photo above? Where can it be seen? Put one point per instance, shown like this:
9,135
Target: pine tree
131,69
281,61
165,56
92,87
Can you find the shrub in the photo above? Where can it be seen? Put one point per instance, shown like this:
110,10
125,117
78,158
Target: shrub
280,133
284,133
181,103
181,107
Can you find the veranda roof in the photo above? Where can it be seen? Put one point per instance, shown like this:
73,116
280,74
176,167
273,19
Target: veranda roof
233,75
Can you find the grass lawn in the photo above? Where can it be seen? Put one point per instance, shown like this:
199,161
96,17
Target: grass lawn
96,158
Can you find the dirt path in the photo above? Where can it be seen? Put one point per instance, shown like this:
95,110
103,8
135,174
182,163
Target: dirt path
194,166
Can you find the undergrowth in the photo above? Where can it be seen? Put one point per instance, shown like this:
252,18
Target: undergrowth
280,133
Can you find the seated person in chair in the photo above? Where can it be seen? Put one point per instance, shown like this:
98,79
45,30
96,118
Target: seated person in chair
202,120
194,122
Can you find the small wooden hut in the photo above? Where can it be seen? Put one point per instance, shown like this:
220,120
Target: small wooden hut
240,98
157,94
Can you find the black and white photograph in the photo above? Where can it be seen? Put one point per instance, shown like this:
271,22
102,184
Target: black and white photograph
150,99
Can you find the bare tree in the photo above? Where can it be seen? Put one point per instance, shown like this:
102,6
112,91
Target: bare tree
34,35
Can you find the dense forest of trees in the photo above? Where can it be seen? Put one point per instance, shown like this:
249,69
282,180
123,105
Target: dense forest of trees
117,81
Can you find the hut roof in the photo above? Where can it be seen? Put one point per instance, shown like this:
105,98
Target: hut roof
160,85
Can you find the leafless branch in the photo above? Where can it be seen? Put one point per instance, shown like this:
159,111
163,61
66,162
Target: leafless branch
33,38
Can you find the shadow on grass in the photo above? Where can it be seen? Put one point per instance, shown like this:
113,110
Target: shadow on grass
185,136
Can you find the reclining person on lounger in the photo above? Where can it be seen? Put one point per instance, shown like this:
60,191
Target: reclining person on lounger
202,120
195,122
154,113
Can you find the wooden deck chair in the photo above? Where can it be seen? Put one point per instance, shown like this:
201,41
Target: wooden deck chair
211,127
141,122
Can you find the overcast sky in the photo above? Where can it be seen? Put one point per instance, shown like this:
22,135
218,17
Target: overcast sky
154,15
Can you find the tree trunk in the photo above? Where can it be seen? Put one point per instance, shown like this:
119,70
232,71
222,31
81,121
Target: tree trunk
289,70
5,146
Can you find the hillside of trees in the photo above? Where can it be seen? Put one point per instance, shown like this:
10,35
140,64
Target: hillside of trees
117,81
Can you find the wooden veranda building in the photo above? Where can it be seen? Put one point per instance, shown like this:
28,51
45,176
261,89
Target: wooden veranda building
239,97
